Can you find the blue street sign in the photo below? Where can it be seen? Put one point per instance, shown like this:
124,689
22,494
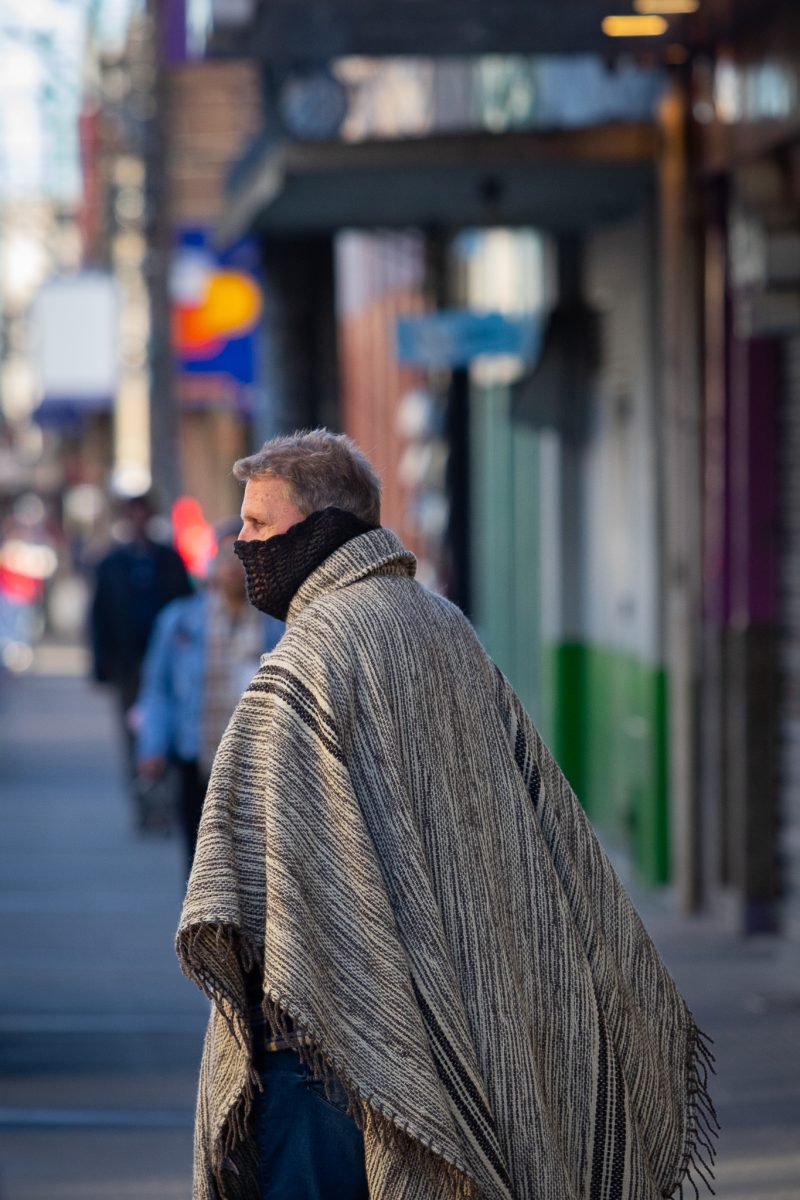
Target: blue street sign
454,338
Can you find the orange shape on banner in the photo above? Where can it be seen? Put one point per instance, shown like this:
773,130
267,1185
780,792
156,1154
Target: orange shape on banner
230,308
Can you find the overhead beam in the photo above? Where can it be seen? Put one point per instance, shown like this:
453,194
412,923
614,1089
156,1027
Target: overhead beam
445,156
295,31
612,143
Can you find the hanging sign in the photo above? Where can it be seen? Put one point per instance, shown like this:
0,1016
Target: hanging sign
453,338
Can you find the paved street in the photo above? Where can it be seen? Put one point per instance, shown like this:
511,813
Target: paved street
746,994
100,1034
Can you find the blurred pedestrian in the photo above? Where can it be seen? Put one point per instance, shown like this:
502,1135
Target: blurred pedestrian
204,651
400,909
132,584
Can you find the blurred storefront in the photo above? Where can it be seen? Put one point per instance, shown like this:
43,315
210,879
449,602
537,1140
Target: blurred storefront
159,135
386,405
611,499
746,108
214,302
495,313
565,510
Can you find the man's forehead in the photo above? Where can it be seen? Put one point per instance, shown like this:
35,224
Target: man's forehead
254,505
262,493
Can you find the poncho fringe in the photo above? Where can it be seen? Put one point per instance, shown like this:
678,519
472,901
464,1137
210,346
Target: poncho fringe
702,1128
375,1119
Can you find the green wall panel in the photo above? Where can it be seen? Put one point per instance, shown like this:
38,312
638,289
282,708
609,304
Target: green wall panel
505,541
610,738
603,711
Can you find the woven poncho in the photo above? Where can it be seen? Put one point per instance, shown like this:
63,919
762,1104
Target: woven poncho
387,838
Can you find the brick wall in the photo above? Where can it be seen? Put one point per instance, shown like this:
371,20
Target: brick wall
214,114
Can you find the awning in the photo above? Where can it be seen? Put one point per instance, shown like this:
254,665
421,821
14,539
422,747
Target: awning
560,181
288,31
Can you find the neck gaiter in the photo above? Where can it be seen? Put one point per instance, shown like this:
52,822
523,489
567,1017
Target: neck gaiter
276,568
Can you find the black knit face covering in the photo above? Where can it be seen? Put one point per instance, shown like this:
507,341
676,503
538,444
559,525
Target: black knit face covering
277,567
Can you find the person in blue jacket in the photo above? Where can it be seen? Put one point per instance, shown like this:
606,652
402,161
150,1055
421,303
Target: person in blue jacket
204,651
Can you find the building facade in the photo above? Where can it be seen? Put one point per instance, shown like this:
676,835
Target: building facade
612,503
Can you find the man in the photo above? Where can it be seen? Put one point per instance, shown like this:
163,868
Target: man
437,941
133,583
204,651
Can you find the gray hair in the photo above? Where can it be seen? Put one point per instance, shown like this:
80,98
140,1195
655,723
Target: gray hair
321,469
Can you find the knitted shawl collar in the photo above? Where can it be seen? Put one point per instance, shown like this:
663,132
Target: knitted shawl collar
379,552
276,567
388,840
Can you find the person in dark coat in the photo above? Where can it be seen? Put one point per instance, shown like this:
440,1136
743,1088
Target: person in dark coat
133,583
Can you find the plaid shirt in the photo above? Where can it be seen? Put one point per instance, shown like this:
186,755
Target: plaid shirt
234,645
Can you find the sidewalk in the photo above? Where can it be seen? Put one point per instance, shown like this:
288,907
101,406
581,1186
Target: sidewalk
746,994
100,1034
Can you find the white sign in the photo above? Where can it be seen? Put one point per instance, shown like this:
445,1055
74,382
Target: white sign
75,339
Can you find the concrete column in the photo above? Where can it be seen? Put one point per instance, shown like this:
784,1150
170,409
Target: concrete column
715,768
751,670
681,501
165,465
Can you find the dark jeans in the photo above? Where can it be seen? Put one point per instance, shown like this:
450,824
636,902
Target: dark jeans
310,1148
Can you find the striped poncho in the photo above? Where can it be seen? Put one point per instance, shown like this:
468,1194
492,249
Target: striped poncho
386,836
